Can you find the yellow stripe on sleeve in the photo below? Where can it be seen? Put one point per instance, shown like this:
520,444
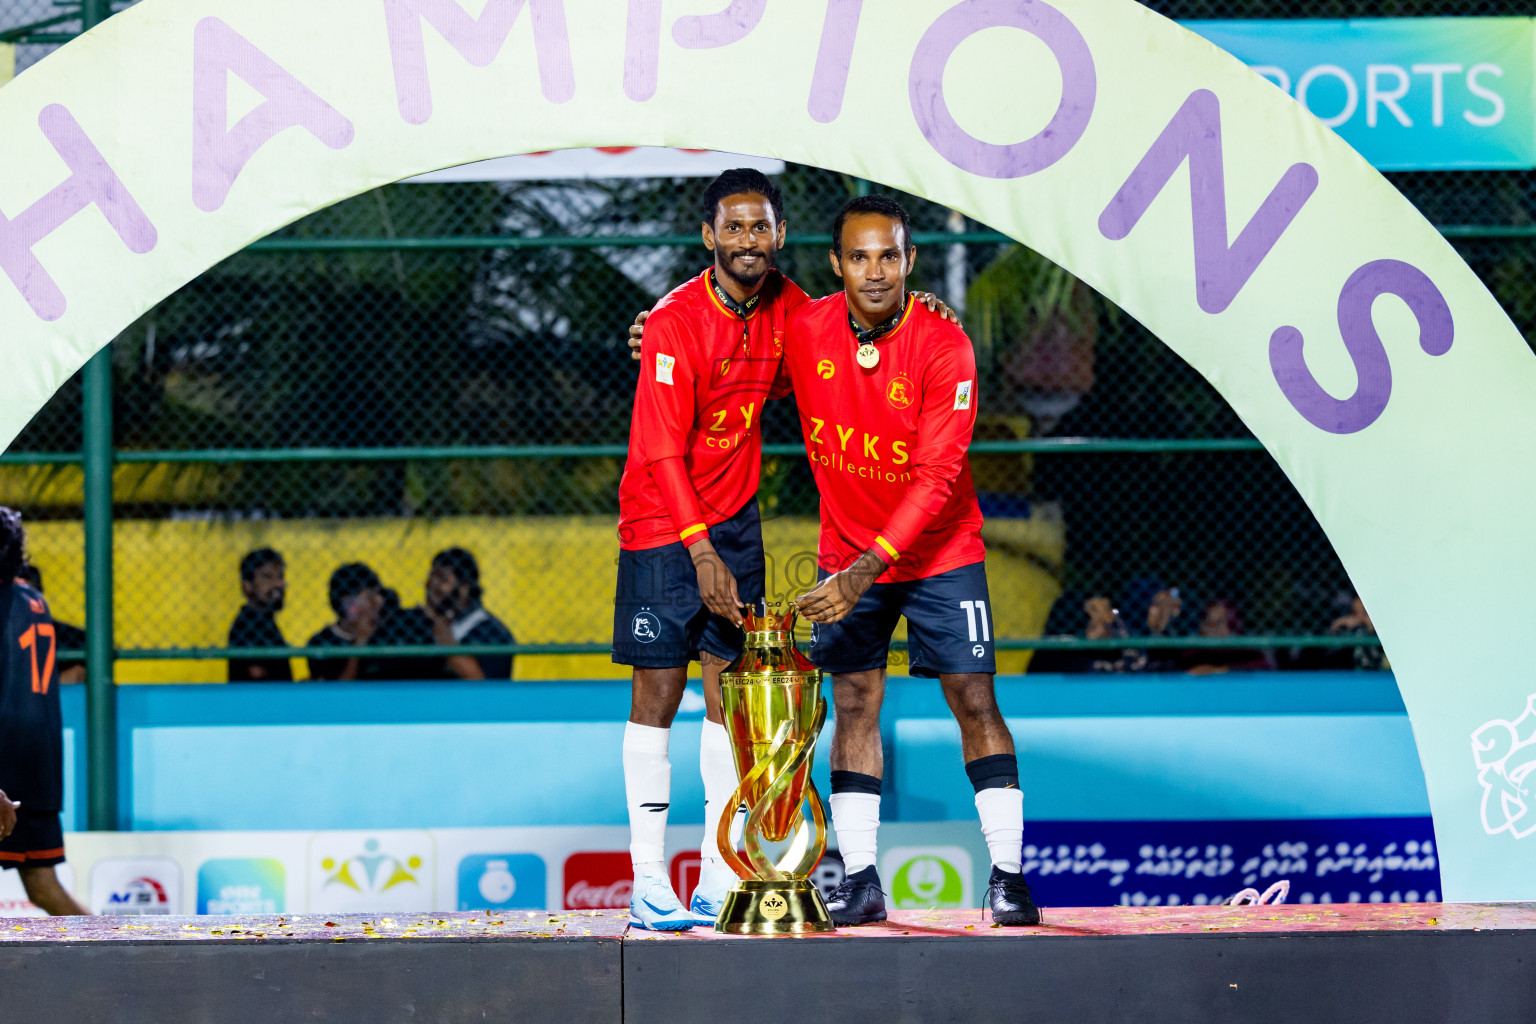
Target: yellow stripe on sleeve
888,549
695,528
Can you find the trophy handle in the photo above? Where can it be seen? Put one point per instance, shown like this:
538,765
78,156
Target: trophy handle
818,824
766,869
738,796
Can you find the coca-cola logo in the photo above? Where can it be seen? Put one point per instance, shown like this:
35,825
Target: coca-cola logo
598,881
583,896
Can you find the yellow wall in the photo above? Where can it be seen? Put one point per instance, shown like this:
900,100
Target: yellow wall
550,578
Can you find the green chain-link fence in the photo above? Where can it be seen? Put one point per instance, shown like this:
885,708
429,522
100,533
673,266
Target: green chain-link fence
436,365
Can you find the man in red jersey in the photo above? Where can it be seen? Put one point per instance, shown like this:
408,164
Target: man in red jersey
690,539
691,552
887,399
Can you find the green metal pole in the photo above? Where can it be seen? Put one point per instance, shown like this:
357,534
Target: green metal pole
93,13
101,697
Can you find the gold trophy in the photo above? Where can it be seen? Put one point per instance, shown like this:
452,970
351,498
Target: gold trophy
773,708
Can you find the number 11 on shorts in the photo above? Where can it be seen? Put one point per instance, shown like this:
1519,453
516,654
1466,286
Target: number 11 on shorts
977,610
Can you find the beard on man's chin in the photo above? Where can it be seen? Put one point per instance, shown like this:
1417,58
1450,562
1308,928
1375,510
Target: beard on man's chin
749,278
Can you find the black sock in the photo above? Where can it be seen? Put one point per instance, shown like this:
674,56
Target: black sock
857,782
995,771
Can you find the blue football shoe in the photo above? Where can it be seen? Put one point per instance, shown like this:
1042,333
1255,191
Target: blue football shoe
655,906
709,895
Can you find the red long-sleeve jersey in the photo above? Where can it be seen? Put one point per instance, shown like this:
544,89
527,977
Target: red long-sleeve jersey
888,445
695,440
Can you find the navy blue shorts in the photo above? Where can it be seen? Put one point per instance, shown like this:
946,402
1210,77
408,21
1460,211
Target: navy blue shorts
659,619
37,842
949,626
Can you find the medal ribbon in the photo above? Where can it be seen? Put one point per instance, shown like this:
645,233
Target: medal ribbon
740,309
880,330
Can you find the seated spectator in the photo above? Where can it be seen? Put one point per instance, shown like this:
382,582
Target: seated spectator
1358,623
357,598
1220,621
1150,609
1065,622
1093,618
451,615
68,638
264,585
1106,623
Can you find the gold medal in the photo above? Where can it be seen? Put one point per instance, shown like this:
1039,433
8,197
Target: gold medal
869,356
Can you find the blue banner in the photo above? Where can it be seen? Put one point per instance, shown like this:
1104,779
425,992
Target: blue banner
1406,93
1171,863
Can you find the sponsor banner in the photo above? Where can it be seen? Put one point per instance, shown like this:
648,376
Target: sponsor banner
502,881
136,886
922,864
603,162
1406,93
928,877
241,885
362,872
598,880
1167,863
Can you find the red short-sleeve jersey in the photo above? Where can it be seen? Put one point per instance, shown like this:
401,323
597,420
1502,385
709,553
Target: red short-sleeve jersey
695,439
888,445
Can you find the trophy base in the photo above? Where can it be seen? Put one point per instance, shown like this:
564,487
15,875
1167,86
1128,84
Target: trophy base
790,907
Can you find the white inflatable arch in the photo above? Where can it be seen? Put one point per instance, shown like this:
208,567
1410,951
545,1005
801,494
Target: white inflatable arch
1346,332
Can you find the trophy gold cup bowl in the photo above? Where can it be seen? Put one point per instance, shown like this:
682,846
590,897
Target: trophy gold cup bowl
773,708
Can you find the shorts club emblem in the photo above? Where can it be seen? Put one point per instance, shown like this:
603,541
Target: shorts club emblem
979,651
646,627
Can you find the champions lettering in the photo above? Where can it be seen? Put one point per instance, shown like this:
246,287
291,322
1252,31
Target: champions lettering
1224,266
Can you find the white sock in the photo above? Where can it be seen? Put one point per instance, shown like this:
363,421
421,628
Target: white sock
1002,822
648,790
856,819
719,773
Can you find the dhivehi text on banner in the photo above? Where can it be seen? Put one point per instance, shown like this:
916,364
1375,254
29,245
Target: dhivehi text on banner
1407,93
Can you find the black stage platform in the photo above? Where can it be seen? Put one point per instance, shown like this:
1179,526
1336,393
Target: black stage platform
1395,963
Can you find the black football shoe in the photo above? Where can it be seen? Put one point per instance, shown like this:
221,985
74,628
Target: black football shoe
1008,896
859,900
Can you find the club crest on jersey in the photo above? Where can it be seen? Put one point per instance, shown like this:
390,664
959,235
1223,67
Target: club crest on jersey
825,369
664,365
963,395
899,392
